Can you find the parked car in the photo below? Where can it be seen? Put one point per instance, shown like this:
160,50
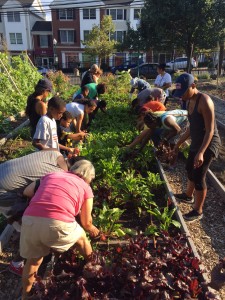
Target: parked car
148,70
123,67
43,70
181,63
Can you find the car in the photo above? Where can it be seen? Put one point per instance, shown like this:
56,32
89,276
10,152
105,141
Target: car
123,67
149,70
43,70
181,63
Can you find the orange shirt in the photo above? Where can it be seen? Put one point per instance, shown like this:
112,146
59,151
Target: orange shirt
154,106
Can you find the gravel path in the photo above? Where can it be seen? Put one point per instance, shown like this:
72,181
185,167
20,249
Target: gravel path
208,234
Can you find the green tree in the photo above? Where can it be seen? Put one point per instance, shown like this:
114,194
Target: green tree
184,24
99,42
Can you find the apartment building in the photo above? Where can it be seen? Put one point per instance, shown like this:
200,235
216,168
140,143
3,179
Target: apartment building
16,21
73,20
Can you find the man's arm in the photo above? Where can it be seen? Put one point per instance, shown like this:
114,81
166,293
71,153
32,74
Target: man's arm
206,108
174,127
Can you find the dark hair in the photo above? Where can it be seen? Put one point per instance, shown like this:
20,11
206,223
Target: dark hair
162,66
84,88
101,88
101,103
150,118
38,92
66,116
56,102
74,159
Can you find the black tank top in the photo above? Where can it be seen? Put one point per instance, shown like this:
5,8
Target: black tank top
33,116
197,131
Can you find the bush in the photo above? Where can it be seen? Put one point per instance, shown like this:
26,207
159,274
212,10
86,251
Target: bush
204,76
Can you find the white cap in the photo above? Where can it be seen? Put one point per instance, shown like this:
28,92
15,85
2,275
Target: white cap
134,81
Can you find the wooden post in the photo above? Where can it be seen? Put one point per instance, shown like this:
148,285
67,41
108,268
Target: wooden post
10,77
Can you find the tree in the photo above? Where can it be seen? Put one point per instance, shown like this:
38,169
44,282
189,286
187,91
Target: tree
184,24
99,42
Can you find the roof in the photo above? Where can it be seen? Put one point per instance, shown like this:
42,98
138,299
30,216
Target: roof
42,26
117,2
24,3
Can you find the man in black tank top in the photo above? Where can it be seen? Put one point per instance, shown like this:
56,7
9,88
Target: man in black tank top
205,143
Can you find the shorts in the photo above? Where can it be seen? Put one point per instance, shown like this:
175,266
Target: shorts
41,235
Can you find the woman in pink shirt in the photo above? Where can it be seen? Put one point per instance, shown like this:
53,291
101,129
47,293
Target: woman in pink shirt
49,221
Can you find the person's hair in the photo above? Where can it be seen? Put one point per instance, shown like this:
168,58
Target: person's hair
37,92
66,116
101,88
101,104
94,68
84,169
84,88
151,118
162,66
56,103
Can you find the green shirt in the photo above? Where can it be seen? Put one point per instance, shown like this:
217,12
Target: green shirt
92,90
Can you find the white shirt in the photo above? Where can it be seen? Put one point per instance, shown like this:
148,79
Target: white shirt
46,132
162,79
75,109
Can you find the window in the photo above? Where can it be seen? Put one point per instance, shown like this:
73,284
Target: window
117,14
89,13
15,38
43,41
86,33
118,36
13,16
66,14
137,13
67,36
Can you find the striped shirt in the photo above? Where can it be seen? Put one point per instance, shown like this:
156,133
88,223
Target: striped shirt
17,173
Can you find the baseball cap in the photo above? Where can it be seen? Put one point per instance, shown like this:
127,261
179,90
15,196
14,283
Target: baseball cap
45,84
183,82
134,81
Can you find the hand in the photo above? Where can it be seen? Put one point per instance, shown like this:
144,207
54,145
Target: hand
198,160
71,150
94,231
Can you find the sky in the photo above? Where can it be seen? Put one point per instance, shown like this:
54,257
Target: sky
45,3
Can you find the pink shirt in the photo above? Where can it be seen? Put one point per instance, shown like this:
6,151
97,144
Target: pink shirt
60,196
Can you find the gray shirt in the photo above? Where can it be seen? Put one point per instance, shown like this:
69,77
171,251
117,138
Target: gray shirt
17,173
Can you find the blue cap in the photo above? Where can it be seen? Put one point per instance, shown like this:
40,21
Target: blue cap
45,84
183,82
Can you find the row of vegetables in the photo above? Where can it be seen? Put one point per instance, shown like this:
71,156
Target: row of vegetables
141,253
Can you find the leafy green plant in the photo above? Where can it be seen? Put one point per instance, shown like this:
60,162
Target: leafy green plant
165,217
106,220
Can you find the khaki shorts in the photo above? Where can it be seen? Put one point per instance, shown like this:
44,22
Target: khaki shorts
40,235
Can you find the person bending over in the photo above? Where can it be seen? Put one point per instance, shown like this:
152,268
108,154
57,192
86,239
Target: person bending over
49,224
79,112
165,127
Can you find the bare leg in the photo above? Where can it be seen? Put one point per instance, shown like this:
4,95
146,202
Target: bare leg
84,247
199,200
190,188
29,271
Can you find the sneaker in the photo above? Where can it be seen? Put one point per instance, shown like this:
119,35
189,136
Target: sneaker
184,198
17,271
193,215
